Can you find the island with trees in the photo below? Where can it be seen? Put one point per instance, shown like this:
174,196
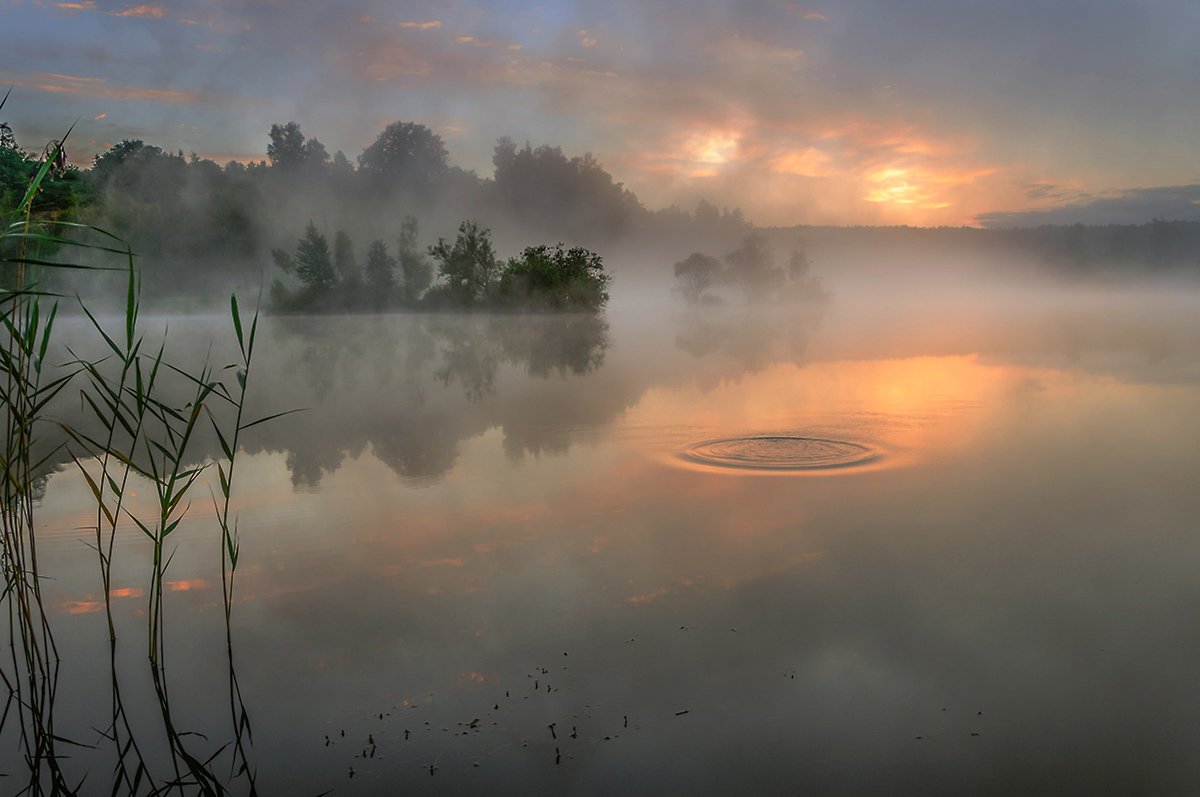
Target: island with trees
543,278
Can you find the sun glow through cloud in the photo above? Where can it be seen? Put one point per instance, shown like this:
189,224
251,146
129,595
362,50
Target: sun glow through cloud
713,148
783,107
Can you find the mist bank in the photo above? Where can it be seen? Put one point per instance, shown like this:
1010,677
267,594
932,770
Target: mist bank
201,229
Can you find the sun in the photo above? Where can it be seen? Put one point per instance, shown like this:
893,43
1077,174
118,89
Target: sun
713,148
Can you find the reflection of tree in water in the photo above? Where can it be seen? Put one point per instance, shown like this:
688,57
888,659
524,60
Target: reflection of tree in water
753,336
469,357
309,459
420,452
561,345
374,381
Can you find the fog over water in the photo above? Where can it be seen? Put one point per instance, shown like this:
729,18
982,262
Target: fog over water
486,531
642,398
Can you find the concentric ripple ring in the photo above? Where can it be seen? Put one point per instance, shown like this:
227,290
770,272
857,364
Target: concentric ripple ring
780,453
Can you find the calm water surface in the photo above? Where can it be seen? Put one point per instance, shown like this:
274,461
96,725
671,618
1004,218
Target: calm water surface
481,527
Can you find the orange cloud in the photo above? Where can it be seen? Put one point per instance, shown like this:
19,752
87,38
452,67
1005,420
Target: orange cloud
805,162
100,87
144,11
712,147
83,5
432,24
921,187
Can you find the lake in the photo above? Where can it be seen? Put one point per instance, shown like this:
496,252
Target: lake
893,544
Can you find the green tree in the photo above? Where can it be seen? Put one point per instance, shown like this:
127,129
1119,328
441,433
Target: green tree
469,265
555,278
7,139
415,270
407,155
380,271
696,275
314,265
752,268
315,154
15,174
544,189
288,151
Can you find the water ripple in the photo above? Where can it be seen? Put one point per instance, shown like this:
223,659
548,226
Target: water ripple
780,453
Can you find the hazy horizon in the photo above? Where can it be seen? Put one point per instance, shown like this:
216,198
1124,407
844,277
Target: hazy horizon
863,113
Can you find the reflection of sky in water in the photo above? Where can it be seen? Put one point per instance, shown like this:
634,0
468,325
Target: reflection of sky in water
1005,604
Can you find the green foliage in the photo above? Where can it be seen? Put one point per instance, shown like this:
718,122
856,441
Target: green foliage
7,139
545,190
290,152
176,210
468,266
543,278
555,278
325,282
314,264
141,434
381,271
696,275
405,155
15,174
283,261
60,195
750,269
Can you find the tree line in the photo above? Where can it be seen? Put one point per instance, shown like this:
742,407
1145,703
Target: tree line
750,270
197,222
543,278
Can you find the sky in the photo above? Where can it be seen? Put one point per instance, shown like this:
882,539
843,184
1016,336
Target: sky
842,112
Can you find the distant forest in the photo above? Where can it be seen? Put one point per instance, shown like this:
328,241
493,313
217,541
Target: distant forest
201,226
196,222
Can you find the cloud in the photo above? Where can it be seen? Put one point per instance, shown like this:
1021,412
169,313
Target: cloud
431,24
805,162
1133,206
872,114
755,54
803,12
143,11
384,60
92,87
471,40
